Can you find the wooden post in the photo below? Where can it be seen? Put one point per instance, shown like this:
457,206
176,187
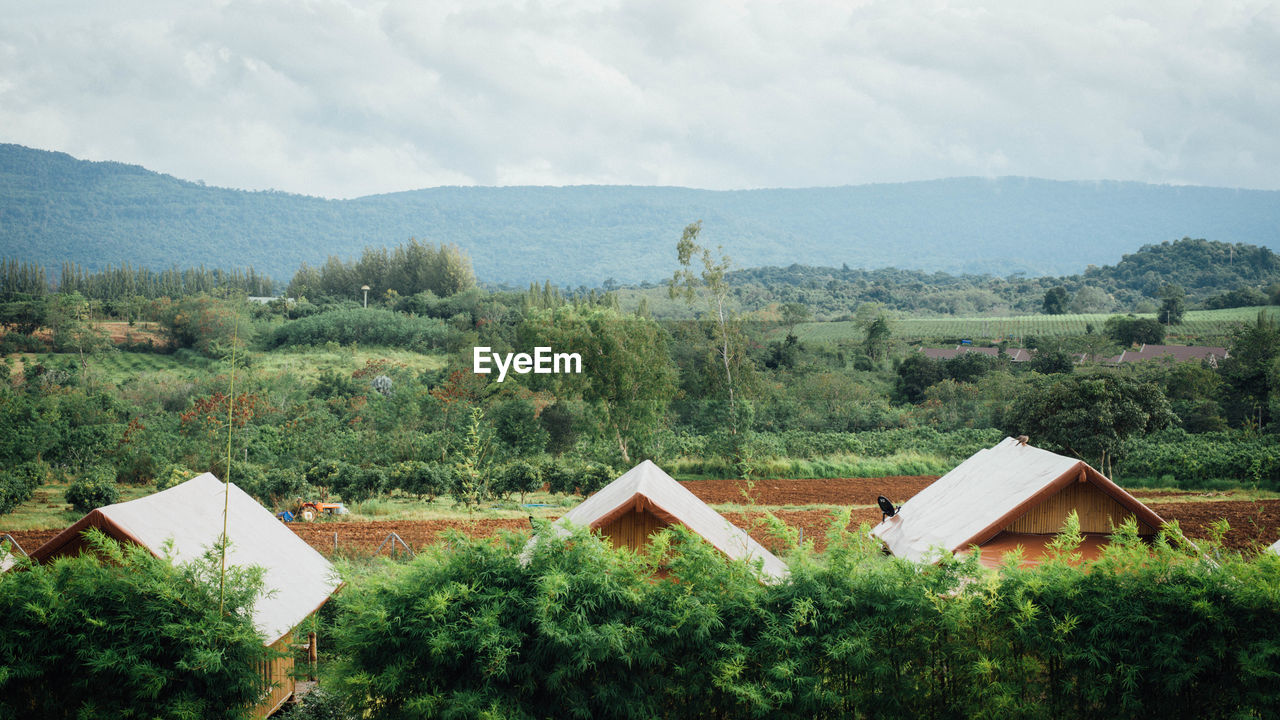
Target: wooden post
312,655
335,543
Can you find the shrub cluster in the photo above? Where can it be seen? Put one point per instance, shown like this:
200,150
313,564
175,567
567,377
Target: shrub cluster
572,628
366,326
120,633
1193,459
18,484
804,445
97,487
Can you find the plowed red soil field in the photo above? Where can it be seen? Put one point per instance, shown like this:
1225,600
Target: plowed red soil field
842,491
1253,523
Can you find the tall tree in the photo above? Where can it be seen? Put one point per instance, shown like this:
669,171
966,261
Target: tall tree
1172,304
876,343
1055,301
1130,330
1089,416
794,313
627,376
1251,374
709,287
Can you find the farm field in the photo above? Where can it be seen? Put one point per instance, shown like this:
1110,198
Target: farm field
1197,324
121,365
804,505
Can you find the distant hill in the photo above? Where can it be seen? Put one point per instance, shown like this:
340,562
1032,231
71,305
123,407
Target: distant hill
55,208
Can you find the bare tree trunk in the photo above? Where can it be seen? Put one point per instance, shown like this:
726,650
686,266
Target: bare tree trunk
622,445
724,355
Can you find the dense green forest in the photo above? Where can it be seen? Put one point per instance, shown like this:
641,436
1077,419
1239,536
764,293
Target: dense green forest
55,208
725,394
1211,274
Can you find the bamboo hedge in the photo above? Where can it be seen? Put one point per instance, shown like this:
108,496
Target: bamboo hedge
120,633
570,628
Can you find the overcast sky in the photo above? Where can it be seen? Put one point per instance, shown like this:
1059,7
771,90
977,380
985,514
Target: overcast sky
343,99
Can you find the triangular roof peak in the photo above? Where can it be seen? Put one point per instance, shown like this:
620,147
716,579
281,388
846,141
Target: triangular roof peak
985,493
647,487
297,579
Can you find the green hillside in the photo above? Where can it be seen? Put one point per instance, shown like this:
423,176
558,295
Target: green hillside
55,208
1202,324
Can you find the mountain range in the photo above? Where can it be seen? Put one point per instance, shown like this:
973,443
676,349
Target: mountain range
55,208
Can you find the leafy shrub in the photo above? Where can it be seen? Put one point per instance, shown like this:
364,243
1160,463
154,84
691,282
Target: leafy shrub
425,480
93,490
518,477
559,475
324,475
515,422
118,633
1196,459
594,476
333,383
319,704
173,475
137,467
18,484
366,326
558,420
277,487
575,477
357,484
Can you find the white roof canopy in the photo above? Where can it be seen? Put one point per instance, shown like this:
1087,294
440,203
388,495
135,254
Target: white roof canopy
673,501
983,494
297,579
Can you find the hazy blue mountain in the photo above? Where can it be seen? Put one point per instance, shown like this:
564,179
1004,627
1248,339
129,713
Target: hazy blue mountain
55,208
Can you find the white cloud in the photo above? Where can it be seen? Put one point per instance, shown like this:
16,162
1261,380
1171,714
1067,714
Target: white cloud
343,98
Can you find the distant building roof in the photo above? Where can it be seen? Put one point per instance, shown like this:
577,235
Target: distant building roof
1015,354
1179,353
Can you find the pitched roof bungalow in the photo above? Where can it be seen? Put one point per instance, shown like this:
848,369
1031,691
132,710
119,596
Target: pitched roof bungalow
1008,496
645,499
297,579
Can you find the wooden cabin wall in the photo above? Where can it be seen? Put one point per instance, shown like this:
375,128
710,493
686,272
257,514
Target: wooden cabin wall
1097,511
276,674
632,529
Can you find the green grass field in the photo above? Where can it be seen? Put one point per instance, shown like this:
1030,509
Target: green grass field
119,365
1198,324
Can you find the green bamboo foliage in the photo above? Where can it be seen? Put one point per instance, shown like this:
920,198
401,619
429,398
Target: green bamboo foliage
573,628
120,633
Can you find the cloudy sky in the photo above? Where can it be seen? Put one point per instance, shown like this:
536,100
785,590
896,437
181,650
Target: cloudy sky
343,99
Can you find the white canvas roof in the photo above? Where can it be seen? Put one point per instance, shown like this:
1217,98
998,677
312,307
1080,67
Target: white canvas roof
984,493
297,579
672,499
